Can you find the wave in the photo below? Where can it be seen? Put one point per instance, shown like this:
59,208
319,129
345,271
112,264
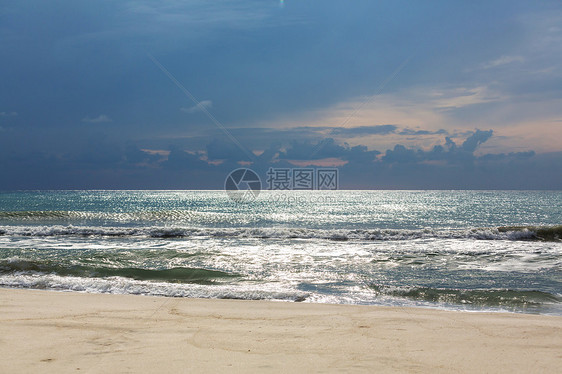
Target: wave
37,214
546,233
531,233
172,275
49,215
129,286
477,297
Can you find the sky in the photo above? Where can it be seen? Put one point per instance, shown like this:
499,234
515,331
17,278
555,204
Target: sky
176,94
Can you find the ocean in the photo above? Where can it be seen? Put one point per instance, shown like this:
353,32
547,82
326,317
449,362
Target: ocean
457,250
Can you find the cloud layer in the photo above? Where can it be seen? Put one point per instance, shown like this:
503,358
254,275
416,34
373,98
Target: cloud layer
393,93
98,162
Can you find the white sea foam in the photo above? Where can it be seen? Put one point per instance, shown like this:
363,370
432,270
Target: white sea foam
119,285
273,233
431,248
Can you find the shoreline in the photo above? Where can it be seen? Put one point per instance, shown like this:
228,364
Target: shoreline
435,307
50,331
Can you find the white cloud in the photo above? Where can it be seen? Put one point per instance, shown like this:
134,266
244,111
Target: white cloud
427,107
206,104
520,124
448,99
503,60
99,119
162,24
8,114
233,13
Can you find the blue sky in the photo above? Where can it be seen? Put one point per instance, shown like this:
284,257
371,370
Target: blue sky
400,94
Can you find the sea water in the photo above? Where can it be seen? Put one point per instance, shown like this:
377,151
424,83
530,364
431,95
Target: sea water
462,250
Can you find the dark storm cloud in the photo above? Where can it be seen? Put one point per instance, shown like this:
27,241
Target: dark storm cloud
255,138
100,162
449,152
179,159
400,154
512,172
225,149
252,59
472,142
498,157
82,106
327,148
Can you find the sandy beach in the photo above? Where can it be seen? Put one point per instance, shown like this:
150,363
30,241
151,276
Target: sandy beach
56,332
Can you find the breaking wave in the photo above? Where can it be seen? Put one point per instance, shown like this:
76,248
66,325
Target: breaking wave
529,233
172,275
130,286
507,298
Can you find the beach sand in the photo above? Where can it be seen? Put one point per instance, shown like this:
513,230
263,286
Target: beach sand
56,332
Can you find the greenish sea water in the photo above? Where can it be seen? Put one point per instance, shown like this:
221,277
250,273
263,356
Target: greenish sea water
462,250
